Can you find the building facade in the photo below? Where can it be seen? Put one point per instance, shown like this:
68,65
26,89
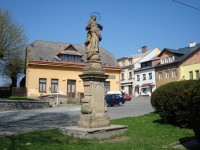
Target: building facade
145,82
54,67
176,65
129,65
127,73
190,67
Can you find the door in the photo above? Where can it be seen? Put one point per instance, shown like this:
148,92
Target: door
130,89
71,88
106,86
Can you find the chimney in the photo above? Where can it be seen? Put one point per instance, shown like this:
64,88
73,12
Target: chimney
192,44
144,49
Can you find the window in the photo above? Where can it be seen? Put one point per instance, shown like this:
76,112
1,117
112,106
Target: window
138,77
191,75
106,86
144,76
122,88
162,61
160,75
144,90
174,73
130,74
170,59
42,84
54,85
150,76
70,58
143,65
197,74
166,60
167,74
122,76
146,64
130,62
124,63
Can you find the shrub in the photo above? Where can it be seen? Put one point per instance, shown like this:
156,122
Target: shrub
195,110
178,103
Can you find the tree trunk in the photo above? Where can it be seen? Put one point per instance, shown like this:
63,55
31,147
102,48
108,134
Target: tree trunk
14,82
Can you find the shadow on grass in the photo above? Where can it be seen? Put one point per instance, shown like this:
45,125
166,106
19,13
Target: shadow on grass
36,138
190,143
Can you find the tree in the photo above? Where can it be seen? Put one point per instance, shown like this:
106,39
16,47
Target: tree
12,46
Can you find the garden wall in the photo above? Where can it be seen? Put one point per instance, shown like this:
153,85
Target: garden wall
6,105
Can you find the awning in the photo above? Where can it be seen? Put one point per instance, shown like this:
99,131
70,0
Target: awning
146,85
137,86
124,84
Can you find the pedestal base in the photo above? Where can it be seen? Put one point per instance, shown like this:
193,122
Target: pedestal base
94,133
93,120
93,67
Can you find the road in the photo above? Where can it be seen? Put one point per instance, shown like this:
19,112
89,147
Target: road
135,107
23,121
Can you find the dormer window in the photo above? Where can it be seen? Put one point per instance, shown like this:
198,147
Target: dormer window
69,54
70,58
162,61
170,59
166,60
124,63
130,62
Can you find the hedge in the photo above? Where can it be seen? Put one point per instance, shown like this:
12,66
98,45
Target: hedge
178,103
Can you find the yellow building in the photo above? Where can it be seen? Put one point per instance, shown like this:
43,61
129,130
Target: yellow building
176,65
54,66
190,67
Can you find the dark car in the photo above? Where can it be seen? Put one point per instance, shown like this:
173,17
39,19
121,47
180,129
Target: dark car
112,99
126,96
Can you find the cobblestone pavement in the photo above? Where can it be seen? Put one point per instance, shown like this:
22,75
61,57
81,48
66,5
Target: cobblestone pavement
23,121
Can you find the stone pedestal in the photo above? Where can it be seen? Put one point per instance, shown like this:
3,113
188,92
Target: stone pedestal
94,133
94,107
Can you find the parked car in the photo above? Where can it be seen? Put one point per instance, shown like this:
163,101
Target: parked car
126,96
112,99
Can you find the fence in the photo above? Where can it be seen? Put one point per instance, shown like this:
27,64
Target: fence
19,91
5,92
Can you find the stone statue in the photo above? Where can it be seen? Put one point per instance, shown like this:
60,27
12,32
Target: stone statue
93,110
93,38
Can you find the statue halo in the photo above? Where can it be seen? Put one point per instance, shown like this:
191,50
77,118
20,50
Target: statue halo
96,14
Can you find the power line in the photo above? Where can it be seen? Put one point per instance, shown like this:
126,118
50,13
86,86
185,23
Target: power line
186,5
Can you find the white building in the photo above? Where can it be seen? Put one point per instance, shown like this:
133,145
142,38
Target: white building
148,55
145,81
129,64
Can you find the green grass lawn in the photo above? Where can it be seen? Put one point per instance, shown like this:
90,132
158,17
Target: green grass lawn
144,133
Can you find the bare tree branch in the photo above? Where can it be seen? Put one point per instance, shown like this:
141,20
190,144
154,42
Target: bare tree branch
12,45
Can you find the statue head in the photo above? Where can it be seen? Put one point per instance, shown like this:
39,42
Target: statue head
93,17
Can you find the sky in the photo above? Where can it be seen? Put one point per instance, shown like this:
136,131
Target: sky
127,24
